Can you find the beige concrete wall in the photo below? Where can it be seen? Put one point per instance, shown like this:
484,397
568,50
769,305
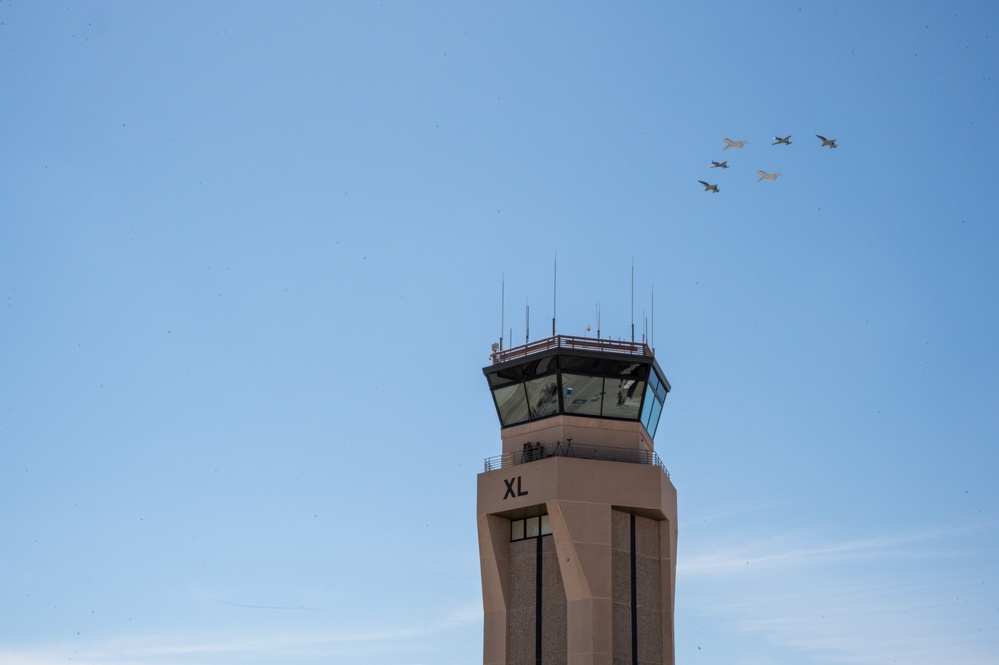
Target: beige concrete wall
589,431
641,486
494,561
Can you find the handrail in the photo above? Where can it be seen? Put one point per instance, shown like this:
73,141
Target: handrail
540,451
572,342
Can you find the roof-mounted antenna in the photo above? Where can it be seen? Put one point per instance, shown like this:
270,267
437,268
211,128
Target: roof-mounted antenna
554,293
502,310
652,332
632,301
598,320
527,331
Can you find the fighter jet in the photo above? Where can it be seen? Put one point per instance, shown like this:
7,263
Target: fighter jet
827,142
768,176
778,140
709,188
733,144
719,165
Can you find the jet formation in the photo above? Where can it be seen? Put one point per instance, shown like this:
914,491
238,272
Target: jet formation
778,140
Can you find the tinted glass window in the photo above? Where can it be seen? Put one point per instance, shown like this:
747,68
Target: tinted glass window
633,370
511,402
623,398
650,398
601,366
580,364
660,389
657,409
505,376
582,394
542,396
539,367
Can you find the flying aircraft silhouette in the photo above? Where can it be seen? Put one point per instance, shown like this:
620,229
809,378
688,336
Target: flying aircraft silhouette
733,144
709,188
778,140
768,176
827,142
719,165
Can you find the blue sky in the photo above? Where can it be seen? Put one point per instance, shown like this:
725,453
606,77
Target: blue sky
251,258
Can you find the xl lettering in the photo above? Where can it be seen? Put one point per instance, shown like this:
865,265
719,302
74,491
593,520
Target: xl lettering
510,491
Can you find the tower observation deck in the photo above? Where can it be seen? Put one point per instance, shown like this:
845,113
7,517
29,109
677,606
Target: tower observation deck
577,514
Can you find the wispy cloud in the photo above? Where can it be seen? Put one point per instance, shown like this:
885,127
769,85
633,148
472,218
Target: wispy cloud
806,548
908,597
257,646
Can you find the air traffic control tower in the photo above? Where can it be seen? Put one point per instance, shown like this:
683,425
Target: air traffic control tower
577,515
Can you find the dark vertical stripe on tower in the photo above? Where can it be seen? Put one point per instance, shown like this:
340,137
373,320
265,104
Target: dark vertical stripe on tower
537,605
634,596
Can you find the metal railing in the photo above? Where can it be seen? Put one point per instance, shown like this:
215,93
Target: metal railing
539,451
572,342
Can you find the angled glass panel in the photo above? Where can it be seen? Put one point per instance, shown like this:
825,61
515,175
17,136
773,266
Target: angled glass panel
517,530
539,367
633,370
511,403
583,395
542,396
604,366
657,409
660,389
623,398
650,398
580,364
505,376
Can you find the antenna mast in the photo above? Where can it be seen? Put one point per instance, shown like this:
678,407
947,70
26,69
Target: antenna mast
527,332
502,309
632,301
554,293
652,332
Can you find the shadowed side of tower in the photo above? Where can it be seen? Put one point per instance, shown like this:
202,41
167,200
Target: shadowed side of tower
577,515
